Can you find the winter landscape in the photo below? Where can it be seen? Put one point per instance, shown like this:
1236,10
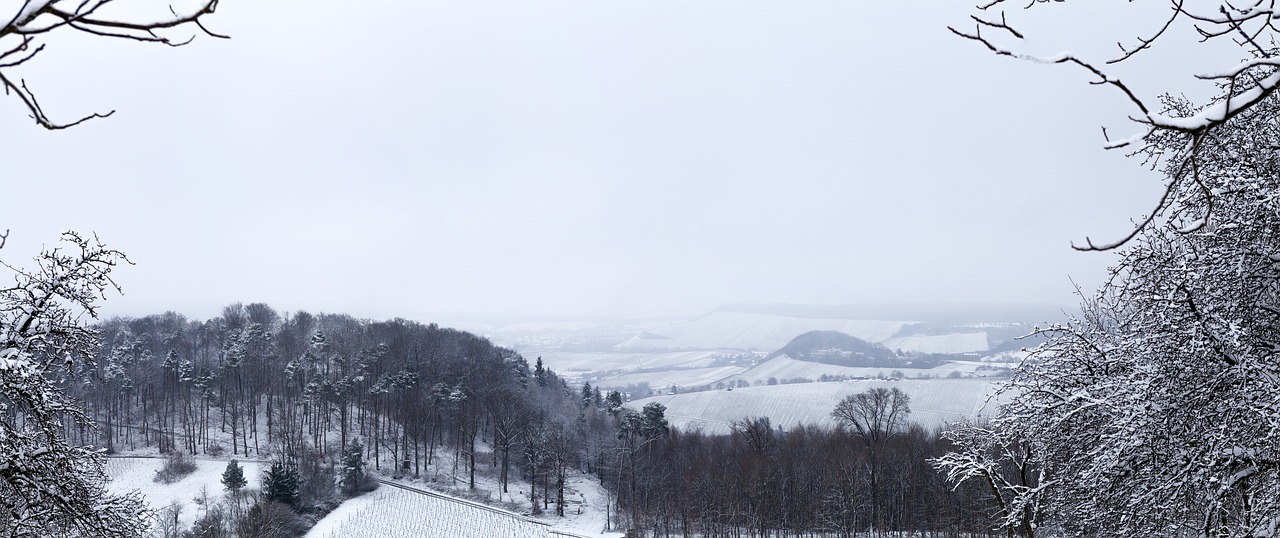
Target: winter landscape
576,269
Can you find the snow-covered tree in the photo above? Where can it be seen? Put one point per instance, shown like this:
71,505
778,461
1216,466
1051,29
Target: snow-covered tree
49,486
1157,410
25,28
1010,469
351,475
613,402
1243,34
280,482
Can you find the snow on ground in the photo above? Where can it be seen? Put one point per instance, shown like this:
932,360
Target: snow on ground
393,511
933,402
585,499
754,332
943,343
577,363
390,511
137,473
346,512
783,368
585,513
695,377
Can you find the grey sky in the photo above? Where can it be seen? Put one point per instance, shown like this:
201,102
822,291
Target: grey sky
571,158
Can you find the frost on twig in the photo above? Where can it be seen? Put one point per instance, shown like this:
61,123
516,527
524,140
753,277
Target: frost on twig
23,34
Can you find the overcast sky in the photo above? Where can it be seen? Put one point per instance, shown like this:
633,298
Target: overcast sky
574,158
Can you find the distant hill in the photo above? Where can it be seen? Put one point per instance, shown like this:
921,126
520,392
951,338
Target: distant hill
750,332
834,347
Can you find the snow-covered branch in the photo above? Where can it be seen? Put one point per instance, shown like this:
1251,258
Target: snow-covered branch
21,38
48,486
1169,134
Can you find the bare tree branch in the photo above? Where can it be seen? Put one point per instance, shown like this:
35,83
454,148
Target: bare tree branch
36,19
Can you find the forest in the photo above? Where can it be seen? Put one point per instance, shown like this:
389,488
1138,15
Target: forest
297,387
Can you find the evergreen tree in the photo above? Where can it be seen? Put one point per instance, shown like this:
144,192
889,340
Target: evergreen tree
351,476
233,477
613,402
280,483
540,373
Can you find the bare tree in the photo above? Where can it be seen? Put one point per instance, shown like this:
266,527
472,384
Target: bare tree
877,414
49,486
1242,83
23,35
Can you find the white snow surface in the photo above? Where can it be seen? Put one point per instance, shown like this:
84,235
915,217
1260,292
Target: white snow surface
944,343
392,511
692,377
138,473
575,363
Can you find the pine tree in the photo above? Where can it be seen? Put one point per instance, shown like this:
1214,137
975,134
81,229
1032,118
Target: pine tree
233,477
280,483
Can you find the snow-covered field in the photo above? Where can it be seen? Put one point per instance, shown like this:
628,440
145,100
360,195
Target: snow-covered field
933,402
755,332
391,511
578,363
409,510
694,377
133,473
943,343
783,368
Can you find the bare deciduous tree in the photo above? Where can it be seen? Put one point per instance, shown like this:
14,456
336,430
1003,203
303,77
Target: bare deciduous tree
49,486
1241,83
23,35
877,414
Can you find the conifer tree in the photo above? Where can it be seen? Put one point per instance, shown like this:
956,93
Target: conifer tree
233,477
280,483
351,475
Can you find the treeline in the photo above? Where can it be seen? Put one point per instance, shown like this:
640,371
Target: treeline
257,383
760,481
